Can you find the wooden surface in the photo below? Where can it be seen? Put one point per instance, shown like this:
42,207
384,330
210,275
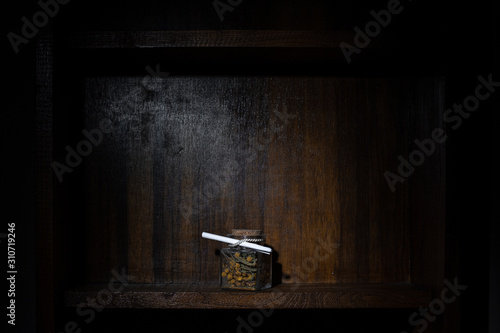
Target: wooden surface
319,180
212,38
301,296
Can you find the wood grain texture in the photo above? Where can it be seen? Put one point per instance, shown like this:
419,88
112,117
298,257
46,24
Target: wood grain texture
300,296
212,38
302,158
205,150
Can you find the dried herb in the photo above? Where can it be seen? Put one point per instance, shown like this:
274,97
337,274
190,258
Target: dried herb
239,270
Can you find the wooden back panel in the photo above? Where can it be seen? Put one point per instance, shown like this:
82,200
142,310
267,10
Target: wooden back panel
302,158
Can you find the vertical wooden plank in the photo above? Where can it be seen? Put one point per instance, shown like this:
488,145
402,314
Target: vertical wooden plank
105,182
159,187
283,216
347,193
140,187
320,174
257,137
185,122
106,229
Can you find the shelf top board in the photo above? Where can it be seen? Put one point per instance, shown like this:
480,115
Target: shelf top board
285,296
212,38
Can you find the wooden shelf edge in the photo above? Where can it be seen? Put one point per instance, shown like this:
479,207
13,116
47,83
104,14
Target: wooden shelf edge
285,296
210,38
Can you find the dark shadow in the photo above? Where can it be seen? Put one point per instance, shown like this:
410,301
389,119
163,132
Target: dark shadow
277,269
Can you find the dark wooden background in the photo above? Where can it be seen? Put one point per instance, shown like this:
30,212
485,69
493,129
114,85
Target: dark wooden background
321,177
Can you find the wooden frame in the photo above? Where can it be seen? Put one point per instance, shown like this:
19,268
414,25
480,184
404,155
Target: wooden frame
426,198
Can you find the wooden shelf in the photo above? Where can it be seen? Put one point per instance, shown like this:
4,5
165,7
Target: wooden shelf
254,51
264,121
213,38
287,296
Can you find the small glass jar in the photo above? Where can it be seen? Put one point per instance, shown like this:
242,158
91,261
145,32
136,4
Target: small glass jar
243,268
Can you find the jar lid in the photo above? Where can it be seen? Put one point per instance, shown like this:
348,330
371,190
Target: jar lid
246,232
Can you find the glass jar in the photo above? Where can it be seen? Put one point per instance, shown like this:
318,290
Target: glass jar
243,268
